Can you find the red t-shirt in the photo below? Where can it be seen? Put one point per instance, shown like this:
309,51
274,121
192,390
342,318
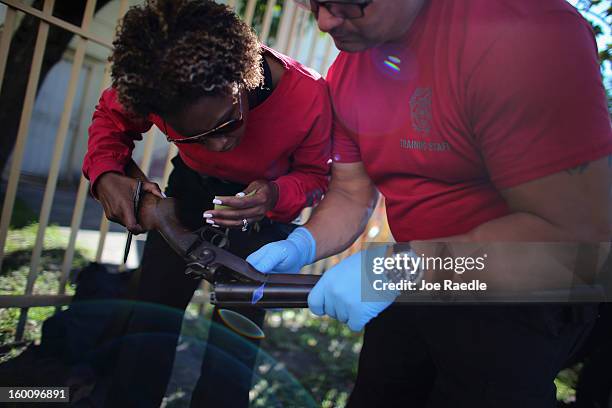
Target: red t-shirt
287,139
480,96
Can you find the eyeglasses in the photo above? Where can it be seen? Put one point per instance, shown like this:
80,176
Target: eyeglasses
226,127
341,9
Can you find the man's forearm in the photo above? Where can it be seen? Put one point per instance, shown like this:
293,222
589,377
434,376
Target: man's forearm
344,212
515,227
338,221
524,251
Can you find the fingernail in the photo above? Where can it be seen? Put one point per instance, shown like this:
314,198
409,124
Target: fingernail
209,221
164,195
217,201
207,215
240,194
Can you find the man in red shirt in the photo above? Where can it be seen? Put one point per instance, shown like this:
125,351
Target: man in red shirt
245,119
479,121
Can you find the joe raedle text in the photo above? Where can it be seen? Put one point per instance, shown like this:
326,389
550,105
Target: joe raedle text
446,285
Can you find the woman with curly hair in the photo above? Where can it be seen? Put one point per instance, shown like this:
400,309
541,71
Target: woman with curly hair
252,130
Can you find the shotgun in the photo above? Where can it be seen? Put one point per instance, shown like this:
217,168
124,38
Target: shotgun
234,281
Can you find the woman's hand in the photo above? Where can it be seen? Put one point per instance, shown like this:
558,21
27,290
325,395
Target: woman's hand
251,205
116,193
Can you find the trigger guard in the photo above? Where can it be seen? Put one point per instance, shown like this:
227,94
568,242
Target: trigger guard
214,236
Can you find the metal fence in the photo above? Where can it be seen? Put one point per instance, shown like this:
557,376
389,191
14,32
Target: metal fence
295,34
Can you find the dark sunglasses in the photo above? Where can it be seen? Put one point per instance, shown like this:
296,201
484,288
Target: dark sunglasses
341,9
226,127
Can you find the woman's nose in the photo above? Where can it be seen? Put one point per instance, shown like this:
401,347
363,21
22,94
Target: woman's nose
218,144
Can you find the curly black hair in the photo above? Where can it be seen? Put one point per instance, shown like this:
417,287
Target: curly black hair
168,53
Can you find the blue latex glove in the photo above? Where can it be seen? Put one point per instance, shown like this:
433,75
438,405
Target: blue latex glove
338,295
286,256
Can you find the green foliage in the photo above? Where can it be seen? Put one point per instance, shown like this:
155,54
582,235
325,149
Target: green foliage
599,13
258,16
15,269
320,352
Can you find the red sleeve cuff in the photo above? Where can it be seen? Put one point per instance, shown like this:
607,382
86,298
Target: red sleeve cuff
286,203
100,168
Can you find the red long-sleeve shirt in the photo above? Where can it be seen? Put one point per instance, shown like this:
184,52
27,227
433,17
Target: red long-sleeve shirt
287,140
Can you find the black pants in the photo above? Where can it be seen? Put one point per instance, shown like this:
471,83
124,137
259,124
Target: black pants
148,345
467,356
